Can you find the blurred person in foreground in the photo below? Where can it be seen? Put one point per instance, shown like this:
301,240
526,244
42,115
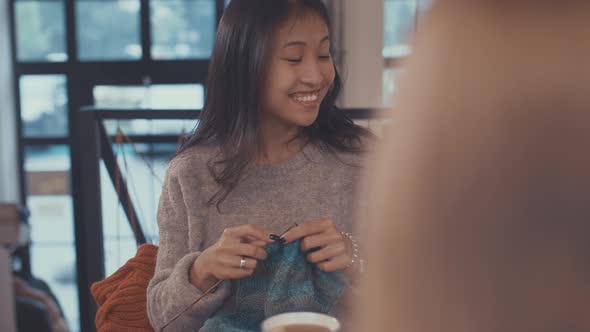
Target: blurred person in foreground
480,216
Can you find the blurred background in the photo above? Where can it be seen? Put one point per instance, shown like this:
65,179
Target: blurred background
62,58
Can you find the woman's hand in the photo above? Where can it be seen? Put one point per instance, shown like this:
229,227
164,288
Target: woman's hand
223,259
332,251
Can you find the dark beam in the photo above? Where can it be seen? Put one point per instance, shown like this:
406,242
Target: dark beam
88,213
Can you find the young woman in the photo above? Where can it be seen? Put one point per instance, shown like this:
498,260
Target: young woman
271,151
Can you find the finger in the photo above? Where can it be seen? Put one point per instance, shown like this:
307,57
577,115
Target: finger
260,244
248,231
308,229
327,253
335,264
235,262
320,240
247,250
255,242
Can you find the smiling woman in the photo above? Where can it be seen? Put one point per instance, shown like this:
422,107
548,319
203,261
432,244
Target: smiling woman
271,151
301,72
274,57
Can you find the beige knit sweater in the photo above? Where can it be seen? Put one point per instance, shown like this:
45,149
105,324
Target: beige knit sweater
312,185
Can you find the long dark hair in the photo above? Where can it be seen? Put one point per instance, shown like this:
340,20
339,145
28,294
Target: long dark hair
230,118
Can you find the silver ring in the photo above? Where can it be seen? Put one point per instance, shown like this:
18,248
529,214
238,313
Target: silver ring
242,263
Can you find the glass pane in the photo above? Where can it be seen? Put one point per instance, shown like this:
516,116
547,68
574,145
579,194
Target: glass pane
44,105
53,255
150,127
147,171
108,29
56,265
182,28
48,189
388,85
159,96
40,30
390,76
423,6
399,18
119,242
154,96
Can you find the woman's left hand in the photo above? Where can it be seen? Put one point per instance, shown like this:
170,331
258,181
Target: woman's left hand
333,250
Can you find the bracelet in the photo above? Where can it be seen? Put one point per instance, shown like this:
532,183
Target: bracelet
355,249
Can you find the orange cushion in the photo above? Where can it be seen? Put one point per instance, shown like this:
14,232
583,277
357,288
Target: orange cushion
122,298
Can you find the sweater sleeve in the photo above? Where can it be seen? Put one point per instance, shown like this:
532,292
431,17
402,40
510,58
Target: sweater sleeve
170,292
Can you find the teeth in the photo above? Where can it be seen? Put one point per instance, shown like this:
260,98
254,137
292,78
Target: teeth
307,99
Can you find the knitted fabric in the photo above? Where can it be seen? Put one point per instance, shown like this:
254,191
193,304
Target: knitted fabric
315,184
284,282
121,298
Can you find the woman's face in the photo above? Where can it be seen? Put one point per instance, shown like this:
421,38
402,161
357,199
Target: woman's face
300,72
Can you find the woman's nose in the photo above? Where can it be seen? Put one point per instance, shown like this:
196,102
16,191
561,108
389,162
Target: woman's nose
312,73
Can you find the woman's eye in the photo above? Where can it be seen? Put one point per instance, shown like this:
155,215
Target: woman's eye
293,60
325,57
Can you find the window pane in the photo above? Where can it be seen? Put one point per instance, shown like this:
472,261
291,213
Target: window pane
150,127
108,29
399,18
388,85
119,242
158,96
52,224
182,28
56,265
390,77
48,189
154,96
144,189
40,30
423,6
44,105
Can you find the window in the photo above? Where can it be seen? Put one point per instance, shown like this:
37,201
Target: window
153,96
390,76
399,20
40,31
150,96
57,76
423,6
44,103
151,127
53,251
108,29
144,189
182,28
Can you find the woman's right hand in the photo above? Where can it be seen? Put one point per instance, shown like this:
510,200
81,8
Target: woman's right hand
222,260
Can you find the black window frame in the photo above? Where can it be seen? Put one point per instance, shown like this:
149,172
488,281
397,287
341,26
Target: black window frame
82,76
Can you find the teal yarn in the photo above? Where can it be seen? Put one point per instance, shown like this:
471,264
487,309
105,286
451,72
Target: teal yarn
284,282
